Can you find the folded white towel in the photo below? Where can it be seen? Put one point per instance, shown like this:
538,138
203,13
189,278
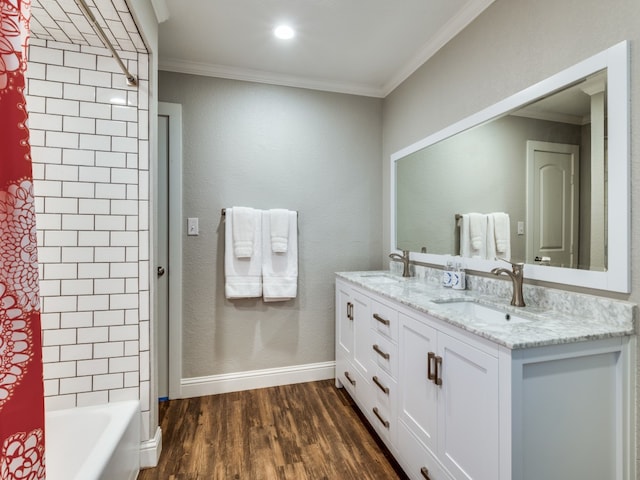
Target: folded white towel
492,253
502,231
280,270
499,236
244,228
243,275
279,219
465,237
477,230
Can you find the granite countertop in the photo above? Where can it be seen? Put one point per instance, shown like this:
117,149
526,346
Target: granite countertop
573,318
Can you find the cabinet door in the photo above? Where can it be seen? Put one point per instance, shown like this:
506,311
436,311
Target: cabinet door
418,395
468,419
345,324
361,341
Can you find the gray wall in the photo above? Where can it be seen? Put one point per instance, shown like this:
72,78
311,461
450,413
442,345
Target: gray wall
512,45
266,146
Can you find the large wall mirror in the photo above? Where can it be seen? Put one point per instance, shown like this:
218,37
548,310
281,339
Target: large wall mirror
552,159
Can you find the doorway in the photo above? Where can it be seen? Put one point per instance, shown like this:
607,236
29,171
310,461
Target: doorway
169,251
552,203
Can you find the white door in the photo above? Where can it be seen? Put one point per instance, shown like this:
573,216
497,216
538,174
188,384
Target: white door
168,251
162,255
552,203
468,411
361,340
418,396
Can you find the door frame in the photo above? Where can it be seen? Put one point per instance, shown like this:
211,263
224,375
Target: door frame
174,113
573,150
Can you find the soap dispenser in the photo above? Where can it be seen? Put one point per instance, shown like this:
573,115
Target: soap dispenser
459,282
447,274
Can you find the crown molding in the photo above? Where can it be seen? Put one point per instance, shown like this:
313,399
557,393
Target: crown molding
448,31
259,76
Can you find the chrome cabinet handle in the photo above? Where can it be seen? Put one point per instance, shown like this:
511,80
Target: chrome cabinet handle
437,374
348,377
383,321
425,473
383,354
382,420
377,381
430,358
160,271
350,310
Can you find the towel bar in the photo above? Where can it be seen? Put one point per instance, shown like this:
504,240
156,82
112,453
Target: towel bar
223,212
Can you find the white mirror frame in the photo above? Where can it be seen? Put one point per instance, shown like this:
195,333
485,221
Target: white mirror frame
617,277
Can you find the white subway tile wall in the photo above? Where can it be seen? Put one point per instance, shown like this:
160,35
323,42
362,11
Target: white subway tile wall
90,151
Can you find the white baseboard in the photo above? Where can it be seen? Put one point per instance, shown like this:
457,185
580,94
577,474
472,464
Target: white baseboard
150,450
271,377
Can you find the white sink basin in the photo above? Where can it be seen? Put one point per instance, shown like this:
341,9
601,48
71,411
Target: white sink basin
382,277
484,313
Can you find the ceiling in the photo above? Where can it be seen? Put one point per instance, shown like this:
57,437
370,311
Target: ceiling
364,47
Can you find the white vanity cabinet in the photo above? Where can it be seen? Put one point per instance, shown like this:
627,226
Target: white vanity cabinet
453,405
448,403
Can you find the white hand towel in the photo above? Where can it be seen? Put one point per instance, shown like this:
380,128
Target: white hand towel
477,230
244,228
502,234
465,237
473,233
279,219
243,275
280,270
492,253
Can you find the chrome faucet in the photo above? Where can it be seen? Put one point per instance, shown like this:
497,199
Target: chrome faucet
517,276
404,258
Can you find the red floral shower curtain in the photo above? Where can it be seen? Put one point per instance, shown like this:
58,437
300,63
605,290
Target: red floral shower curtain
21,389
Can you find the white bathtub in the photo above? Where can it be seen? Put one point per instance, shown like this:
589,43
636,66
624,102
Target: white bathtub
93,443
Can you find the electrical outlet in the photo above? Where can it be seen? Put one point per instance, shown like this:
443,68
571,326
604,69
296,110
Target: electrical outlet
192,226
520,228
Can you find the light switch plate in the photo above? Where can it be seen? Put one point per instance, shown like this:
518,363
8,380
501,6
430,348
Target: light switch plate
192,226
520,228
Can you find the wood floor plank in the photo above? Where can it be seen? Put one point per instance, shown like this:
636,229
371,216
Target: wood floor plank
309,431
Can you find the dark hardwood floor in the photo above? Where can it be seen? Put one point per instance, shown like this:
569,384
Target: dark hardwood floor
294,432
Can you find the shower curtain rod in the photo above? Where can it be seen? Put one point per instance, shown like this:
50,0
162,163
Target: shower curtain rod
131,80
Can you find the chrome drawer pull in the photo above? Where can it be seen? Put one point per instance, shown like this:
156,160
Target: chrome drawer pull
383,354
382,420
430,356
348,377
380,385
438,374
383,321
425,473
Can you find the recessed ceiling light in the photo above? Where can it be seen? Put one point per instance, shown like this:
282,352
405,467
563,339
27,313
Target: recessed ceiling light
285,32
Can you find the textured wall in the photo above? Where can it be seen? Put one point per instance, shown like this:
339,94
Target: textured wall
512,45
266,146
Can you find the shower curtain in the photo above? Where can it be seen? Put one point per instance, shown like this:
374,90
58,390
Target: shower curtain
21,387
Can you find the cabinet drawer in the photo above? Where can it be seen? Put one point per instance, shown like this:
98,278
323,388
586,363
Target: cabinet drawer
417,462
384,320
358,387
384,354
384,392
